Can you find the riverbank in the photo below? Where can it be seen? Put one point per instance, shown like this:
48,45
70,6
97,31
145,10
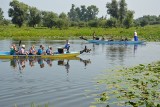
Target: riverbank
148,33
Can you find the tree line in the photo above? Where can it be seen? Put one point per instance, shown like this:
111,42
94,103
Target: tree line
22,14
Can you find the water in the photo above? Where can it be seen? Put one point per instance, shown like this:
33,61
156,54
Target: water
69,83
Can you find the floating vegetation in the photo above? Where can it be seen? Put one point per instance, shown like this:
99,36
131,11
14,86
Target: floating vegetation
136,86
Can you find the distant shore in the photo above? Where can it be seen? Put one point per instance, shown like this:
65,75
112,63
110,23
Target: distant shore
147,33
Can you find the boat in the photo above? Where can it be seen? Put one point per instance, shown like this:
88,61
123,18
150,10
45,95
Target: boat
116,42
6,55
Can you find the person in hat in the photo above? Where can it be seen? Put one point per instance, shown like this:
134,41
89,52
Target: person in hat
22,50
135,36
67,46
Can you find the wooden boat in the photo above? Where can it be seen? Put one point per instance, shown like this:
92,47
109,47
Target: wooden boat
115,42
6,55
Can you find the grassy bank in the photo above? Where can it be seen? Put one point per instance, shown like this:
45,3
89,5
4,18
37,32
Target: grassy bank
148,33
137,86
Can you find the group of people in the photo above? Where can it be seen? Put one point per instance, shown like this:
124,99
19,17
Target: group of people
111,39
33,51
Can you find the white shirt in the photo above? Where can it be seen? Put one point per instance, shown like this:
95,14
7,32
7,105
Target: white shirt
135,33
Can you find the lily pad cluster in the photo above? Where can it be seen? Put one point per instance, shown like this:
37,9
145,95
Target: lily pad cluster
136,86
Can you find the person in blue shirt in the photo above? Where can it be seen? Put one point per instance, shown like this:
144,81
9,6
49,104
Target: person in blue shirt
67,46
135,36
40,51
49,51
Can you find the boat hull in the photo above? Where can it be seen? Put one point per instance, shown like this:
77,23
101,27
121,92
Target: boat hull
115,42
6,55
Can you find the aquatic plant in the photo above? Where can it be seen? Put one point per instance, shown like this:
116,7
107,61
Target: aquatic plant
136,86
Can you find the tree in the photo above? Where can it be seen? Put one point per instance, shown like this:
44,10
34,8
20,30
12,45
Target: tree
122,10
143,22
63,16
113,9
1,14
83,13
62,22
128,21
112,22
34,16
92,11
18,12
73,16
93,23
49,19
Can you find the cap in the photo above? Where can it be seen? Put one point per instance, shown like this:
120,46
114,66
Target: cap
23,46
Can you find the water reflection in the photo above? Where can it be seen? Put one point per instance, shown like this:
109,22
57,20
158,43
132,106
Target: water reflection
120,52
20,63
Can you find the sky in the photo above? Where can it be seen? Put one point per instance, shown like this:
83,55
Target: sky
140,7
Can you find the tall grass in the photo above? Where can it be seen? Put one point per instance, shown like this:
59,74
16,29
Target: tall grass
148,33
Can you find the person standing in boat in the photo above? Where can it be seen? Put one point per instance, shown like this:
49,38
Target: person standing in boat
67,46
135,36
94,35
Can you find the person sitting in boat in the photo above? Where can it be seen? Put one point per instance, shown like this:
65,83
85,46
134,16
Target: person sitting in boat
110,39
43,51
40,51
32,50
49,51
13,50
135,36
22,51
126,39
97,38
102,38
67,46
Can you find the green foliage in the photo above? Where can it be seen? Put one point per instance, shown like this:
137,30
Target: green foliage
128,22
92,11
119,12
148,33
63,16
122,10
1,15
148,19
93,23
83,13
61,23
112,9
18,12
49,19
112,22
34,16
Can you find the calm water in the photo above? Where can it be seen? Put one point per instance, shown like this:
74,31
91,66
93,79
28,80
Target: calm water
65,83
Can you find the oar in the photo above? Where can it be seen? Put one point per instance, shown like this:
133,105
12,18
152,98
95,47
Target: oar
19,44
81,37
